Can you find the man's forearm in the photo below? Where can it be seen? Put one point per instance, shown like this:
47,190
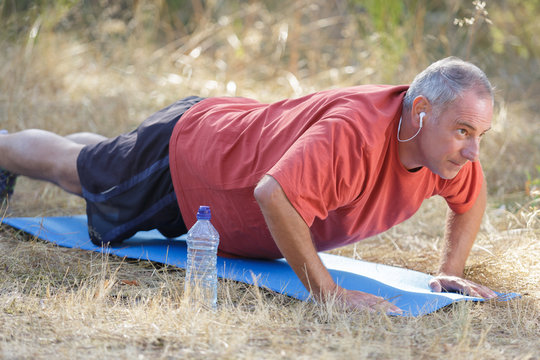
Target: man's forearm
460,235
461,231
293,237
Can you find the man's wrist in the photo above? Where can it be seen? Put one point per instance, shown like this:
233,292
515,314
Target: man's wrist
328,290
443,272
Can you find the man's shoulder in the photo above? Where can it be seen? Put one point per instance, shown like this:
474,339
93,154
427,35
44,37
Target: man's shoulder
371,109
374,90
370,101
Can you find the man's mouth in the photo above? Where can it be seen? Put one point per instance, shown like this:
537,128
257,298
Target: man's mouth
456,164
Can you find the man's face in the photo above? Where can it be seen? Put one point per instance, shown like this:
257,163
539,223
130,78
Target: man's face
450,141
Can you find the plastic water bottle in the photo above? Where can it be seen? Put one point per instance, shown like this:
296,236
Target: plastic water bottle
201,274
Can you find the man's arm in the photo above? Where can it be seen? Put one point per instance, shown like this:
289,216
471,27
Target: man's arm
293,238
461,231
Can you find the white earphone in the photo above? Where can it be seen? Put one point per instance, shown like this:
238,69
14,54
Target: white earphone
422,114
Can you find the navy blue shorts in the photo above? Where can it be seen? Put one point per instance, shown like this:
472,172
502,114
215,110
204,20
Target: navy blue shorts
126,181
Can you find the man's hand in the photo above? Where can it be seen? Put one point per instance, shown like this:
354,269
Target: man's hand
457,284
357,300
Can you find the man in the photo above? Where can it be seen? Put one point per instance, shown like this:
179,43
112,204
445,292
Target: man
291,178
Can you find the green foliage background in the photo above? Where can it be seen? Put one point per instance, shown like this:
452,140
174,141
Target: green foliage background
412,32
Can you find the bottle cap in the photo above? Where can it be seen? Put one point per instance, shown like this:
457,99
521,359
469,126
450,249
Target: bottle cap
204,213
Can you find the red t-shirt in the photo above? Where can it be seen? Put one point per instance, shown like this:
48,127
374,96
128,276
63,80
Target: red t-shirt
334,153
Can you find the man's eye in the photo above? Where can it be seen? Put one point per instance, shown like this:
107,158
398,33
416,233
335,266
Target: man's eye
462,132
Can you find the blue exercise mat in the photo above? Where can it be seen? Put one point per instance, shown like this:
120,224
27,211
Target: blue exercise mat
407,289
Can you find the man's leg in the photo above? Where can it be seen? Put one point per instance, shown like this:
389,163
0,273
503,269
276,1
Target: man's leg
42,155
86,138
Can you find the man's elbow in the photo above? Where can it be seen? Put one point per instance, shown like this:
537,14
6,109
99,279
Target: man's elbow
267,191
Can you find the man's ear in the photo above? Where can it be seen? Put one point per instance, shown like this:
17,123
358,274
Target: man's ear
420,105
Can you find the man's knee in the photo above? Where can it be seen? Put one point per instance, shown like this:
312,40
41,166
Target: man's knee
86,138
67,174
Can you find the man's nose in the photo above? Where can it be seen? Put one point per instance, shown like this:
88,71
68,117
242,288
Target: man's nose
472,151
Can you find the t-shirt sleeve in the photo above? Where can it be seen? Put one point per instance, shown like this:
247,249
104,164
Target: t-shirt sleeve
461,192
322,170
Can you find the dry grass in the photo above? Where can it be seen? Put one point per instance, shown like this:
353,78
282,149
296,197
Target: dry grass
65,303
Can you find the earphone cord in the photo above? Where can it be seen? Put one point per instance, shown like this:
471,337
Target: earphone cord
409,139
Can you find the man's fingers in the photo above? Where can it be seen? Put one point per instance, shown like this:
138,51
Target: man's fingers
363,301
394,310
486,292
388,307
481,291
435,285
471,291
467,287
380,304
